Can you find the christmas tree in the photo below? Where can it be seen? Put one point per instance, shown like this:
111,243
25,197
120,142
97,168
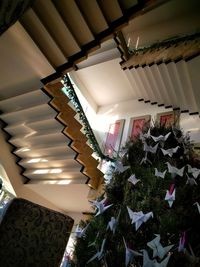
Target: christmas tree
149,215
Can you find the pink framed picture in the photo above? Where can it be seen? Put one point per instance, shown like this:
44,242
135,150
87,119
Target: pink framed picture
168,119
113,138
137,124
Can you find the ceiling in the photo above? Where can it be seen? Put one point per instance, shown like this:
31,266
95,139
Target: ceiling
106,83
26,59
70,198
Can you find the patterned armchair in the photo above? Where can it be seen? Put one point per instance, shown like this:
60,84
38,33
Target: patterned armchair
32,235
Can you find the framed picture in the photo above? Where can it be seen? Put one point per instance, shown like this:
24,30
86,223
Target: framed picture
113,138
169,118
137,124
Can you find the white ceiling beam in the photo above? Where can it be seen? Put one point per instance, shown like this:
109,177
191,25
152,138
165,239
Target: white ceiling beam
176,86
186,84
163,69
153,84
146,83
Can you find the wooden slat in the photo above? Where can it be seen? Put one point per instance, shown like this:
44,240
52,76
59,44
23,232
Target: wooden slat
72,130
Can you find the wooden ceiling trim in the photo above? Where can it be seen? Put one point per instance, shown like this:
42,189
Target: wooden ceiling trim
72,129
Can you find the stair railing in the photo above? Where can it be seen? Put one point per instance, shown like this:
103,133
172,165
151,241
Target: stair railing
71,94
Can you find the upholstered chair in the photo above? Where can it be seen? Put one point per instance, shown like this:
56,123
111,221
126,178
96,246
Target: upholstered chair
32,235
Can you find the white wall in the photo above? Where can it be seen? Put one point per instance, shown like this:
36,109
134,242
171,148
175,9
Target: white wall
134,108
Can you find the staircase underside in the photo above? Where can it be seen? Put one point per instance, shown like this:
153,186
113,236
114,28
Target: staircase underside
51,146
66,32
174,51
167,75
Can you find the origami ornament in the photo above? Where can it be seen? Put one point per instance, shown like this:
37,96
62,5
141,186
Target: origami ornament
177,132
123,152
146,260
145,136
80,232
195,172
161,138
99,254
100,205
132,179
158,249
175,171
181,246
145,160
94,242
190,181
112,224
119,167
198,206
109,168
130,254
162,263
153,263
170,151
151,149
107,178
170,195
160,174
139,217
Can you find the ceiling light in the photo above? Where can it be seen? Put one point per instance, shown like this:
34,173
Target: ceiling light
55,171
41,171
36,160
33,160
23,149
63,182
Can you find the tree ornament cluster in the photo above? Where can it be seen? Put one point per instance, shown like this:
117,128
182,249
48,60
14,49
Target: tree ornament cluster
149,215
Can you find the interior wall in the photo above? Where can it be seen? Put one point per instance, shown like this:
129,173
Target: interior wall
14,177
134,108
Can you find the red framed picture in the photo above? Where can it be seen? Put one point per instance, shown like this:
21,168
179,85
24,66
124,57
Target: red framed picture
137,124
113,138
168,119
